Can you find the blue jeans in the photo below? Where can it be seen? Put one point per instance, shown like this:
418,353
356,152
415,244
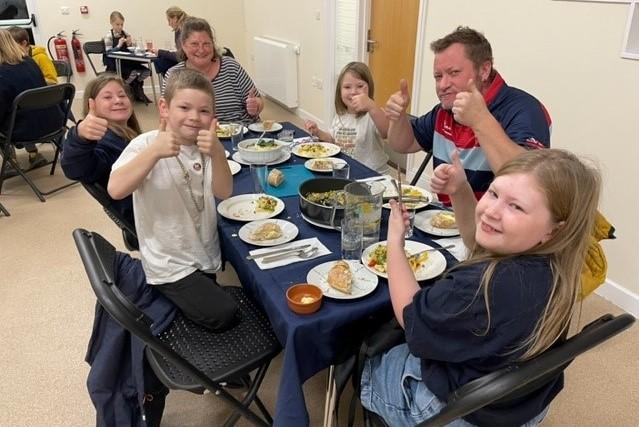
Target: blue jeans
398,370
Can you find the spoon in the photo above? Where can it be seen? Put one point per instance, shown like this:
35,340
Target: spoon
302,253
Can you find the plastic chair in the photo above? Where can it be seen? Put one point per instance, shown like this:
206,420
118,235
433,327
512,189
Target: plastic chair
187,356
53,96
129,234
94,48
64,69
524,378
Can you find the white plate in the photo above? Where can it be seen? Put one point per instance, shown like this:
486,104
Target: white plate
242,208
310,164
289,232
317,224
423,219
238,158
234,166
393,193
225,126
258,127
328,151
432,267
364,282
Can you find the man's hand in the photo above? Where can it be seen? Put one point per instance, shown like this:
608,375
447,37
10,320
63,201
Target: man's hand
208,143
449,178
252,103
92,128
398,102
165,144
469,106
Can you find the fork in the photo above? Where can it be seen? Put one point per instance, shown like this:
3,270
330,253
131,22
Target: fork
301,253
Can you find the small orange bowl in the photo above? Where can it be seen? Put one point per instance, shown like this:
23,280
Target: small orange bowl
304,298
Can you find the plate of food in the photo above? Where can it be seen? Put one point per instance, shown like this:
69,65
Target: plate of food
315,150
234,166
322,164
425,266
250,207
409,191
223,130
343,279
266,126
268,232
437,222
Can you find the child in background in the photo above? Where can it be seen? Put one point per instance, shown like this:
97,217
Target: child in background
133,72
37,53
91,147
175,173
510,301
359,125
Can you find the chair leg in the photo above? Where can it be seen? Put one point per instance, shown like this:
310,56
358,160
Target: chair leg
250,396
6,213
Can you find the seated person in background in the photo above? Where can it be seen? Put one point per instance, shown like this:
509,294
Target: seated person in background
478,114
37,53
510,301
175,173
133,72
17,74
236,97
359,125
166,58
91,147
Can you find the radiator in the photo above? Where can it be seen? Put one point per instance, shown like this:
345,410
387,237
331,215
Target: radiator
276,69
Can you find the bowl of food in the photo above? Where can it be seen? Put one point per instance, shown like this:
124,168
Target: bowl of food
264,150
322,200
304,298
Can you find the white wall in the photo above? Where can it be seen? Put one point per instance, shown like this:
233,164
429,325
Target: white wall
567,55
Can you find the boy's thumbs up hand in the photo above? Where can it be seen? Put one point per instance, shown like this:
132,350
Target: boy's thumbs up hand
398,102
165,144
208,143
469,105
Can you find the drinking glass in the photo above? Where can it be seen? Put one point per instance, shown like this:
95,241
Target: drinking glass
237,134
341,170
258,173
287,135
149,45
409,230
363,203
351,240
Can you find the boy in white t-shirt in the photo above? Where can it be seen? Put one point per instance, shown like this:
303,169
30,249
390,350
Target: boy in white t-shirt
175,173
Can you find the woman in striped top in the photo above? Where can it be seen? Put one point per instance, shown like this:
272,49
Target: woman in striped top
236,97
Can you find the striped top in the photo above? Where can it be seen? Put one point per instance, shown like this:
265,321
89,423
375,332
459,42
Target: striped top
523,118
232,86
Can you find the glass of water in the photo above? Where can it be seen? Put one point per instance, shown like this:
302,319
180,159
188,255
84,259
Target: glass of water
237,134
341,169
351,238
409,230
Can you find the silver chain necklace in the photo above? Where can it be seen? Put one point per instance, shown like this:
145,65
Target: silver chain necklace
187,179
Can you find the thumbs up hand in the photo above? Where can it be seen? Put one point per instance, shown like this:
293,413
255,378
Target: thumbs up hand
449,178
208,143
92,128
398,102
469,106
165,144
252,103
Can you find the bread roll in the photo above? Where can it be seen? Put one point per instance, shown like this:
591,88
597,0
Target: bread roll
340,277
275,177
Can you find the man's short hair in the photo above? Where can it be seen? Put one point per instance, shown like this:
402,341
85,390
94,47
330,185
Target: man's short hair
477,47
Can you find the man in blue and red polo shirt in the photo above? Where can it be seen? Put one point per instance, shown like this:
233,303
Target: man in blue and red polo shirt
488,121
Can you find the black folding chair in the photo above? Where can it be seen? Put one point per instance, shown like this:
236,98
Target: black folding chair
31,100
521,379
94,48
129,234
4,210
63,69
187,356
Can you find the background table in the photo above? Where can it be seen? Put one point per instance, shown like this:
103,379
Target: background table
130,56
311,342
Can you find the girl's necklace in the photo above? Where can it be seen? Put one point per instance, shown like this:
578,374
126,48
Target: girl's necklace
187,178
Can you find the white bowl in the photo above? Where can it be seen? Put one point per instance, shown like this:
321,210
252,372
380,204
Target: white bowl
254,154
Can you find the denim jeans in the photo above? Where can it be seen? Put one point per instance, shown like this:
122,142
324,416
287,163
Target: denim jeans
398,370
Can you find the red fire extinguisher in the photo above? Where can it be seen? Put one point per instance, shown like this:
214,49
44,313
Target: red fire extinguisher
77,52
61,49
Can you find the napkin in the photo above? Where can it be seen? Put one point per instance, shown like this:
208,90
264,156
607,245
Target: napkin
292,258
459,251
294,175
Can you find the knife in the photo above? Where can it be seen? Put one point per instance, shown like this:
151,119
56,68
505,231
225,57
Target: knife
278,252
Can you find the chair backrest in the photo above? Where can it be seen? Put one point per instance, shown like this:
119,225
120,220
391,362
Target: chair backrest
63,68
94,48
524,378
58,98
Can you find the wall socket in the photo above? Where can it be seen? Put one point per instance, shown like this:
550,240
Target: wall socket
65,10
317,82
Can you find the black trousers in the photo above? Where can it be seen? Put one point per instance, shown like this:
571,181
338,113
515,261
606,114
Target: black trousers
202,300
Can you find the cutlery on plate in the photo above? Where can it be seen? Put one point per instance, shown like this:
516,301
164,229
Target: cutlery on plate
408,199
301,253
278,251
420,253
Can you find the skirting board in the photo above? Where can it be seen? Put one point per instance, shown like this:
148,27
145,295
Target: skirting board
619,296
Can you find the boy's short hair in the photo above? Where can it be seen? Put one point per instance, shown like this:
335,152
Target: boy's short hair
19,34
186,78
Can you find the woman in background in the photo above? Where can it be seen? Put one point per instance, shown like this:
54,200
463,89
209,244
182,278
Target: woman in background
166,58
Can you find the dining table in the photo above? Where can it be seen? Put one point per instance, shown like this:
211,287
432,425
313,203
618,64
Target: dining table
137,56
311,342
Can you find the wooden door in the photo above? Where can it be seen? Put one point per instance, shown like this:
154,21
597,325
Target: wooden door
392,36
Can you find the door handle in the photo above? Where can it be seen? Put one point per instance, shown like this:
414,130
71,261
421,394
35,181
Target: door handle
370,45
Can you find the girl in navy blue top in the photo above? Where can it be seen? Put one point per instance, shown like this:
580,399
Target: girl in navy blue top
511,300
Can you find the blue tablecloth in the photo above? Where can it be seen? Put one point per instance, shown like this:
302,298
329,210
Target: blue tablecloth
311,342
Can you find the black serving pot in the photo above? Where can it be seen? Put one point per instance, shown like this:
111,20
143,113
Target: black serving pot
325,215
